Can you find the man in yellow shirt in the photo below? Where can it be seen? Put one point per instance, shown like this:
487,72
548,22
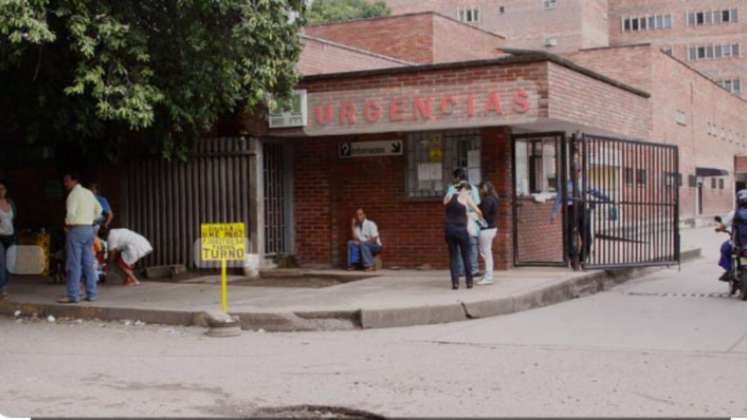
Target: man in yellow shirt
82,210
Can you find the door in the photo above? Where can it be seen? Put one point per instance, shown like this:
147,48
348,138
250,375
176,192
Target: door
539,175
700,197
626,208
278,205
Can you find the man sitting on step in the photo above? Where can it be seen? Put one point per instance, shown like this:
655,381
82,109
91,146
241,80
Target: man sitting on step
365,244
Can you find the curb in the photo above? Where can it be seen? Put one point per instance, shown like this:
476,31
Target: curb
592,283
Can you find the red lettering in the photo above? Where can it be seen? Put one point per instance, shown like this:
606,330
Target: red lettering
395,109
494,104
323,114
422,108
347,113
371,111
471,105
521,101
447,102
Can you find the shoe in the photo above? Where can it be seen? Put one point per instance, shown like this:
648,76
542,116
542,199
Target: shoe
724,277
484,282
454,286
469,285
66,300
89,299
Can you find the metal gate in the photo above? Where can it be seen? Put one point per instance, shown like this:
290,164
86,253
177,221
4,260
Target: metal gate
275,199
167,201
626,210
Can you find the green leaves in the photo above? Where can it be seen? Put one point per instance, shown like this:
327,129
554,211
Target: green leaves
329,11
164,70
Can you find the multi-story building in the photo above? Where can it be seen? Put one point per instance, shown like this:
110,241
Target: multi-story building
556,26
710,35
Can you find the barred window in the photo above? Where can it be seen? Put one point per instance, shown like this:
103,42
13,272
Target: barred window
433,156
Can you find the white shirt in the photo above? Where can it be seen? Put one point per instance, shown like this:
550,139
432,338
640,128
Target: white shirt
367,231
132,245
6,222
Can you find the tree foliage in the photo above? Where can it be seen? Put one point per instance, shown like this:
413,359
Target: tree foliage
329,11
163,70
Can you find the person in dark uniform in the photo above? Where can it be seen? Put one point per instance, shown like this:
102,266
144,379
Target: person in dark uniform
457,236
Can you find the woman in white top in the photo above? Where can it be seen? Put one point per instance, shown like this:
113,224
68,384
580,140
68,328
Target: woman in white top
127,248
7,235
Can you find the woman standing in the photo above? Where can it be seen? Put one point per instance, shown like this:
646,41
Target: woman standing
7,235
489,207
457,236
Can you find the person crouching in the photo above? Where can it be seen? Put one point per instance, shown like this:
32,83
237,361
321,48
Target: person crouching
125,249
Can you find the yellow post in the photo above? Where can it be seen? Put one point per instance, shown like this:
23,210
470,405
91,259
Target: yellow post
223,286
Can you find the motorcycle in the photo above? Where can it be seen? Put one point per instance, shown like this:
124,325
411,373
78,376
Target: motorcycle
737,277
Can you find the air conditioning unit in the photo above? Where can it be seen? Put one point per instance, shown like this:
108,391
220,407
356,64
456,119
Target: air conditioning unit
551,42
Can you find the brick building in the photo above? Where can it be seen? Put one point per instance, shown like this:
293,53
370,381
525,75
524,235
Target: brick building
708,34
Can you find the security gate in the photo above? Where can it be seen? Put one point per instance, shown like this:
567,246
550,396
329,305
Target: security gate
624,213
276,199
628,202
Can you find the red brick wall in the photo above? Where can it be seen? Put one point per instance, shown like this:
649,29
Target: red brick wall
408,38
540,238
320,57
420,38
740,164
329,189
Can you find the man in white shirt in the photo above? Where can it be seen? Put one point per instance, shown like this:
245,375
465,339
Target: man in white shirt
365,244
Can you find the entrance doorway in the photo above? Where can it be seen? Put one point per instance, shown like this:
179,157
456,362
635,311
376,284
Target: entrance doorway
278,199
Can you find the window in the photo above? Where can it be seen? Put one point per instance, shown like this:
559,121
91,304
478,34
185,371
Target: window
640,177
716,17
501,10
628,176
713,183
692,181
732,85
536,166
735,50
551,4
721,184
469,14
646,23
432,157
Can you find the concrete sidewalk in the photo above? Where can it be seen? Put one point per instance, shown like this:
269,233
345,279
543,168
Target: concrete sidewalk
390,299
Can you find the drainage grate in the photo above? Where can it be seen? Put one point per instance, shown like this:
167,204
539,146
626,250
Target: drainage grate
680,295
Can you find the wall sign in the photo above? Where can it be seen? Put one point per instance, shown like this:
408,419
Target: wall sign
370,149
415,108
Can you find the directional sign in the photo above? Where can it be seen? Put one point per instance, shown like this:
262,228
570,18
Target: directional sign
371,149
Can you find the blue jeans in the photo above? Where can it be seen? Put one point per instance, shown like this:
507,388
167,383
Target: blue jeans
473,252
79,261
725,261
5,243
362,253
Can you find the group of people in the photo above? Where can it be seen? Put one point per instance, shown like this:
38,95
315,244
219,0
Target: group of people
471,213
87,222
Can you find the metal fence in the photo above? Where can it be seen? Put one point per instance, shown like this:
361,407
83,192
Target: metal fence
166,201
626,209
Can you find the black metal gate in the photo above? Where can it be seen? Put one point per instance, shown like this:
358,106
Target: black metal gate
625,212
275,192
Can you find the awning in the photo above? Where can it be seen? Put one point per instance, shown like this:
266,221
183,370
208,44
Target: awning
699,171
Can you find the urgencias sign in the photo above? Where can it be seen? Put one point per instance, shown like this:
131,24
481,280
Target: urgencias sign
411,109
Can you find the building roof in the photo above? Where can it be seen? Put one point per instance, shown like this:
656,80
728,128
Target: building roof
320,56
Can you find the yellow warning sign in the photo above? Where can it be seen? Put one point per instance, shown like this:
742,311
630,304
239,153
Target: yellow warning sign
222,242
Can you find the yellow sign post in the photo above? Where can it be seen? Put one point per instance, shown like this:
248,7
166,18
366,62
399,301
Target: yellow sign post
222,242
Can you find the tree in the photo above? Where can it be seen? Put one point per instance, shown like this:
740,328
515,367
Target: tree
93,71
328,11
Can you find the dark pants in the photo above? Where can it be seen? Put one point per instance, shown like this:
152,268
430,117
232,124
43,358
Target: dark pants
5,243
459,250
584,230
725,260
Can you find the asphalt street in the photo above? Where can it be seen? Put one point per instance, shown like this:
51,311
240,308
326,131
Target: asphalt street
669,344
